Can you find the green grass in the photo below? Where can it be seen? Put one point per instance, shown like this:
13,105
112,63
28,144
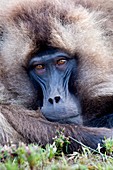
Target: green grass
34,157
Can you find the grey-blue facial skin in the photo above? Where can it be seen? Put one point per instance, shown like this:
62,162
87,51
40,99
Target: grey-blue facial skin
55,72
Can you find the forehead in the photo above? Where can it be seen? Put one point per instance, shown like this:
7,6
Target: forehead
54,23
47,56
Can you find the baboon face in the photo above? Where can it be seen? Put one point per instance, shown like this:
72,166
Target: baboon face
54,72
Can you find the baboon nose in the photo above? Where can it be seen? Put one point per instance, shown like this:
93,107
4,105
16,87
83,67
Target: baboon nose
55,99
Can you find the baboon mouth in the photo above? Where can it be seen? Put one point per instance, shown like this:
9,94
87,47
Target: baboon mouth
53,119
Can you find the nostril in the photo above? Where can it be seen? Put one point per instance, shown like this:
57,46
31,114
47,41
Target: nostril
57,99
50,100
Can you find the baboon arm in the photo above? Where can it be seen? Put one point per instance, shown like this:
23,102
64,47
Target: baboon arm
36,129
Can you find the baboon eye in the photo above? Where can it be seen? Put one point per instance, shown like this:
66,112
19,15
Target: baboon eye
39,67
61,62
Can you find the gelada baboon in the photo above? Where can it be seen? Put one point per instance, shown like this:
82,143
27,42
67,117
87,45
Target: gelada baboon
56,70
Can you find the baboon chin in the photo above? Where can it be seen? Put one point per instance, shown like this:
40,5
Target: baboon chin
56,71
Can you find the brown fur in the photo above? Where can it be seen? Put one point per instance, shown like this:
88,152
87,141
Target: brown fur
81,28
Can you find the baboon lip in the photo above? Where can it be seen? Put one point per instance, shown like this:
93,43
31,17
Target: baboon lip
62,119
